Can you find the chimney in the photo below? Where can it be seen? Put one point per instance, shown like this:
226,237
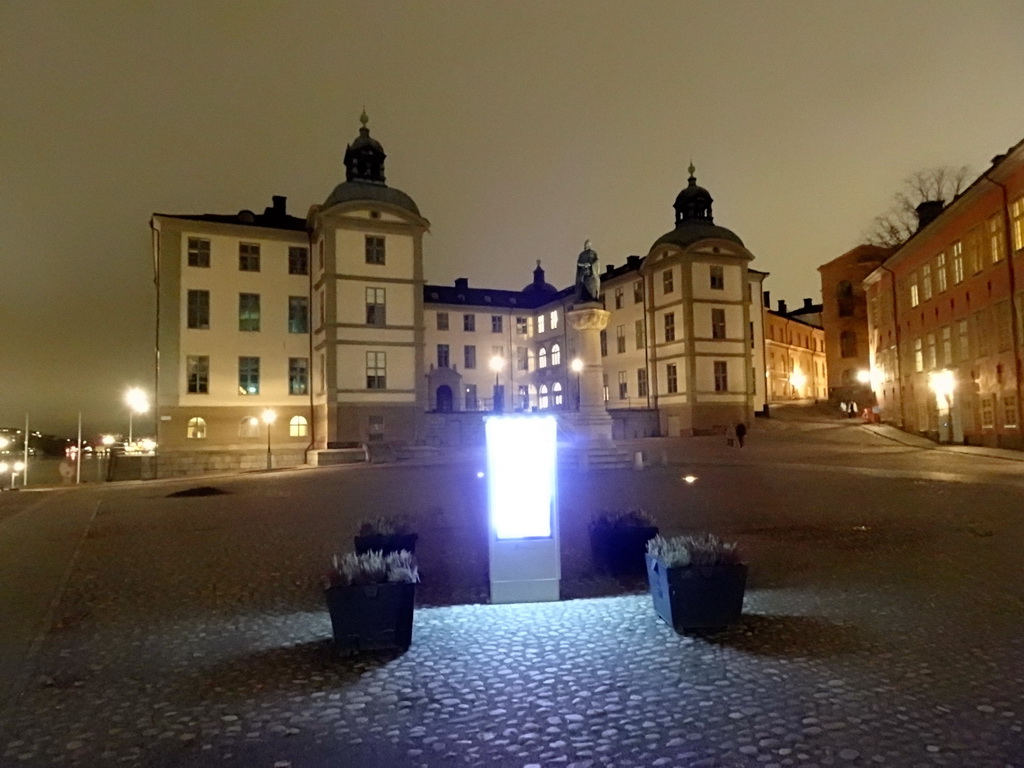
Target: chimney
927,212
767,299
462,283
782,307
807,304
280,205
609,268
633,261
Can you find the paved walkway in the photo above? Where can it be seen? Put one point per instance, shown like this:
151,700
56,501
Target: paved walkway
882,625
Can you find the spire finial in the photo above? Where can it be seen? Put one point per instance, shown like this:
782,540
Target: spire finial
364,118
691,169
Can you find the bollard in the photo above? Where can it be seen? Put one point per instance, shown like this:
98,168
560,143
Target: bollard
638,460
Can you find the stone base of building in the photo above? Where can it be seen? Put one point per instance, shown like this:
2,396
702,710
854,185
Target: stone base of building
184,463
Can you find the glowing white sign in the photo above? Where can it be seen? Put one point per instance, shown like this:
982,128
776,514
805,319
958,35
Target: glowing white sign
521,460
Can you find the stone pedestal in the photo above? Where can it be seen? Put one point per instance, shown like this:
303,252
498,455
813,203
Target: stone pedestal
592,421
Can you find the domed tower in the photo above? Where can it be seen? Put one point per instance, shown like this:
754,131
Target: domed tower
704,327
367,304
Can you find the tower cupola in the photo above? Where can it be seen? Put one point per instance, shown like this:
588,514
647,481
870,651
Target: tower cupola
364,157
694,202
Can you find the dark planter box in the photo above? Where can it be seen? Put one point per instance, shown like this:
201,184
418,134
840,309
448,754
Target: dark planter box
372,617
386,544
697,597
620,549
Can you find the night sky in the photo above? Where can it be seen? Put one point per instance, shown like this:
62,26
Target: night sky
520,129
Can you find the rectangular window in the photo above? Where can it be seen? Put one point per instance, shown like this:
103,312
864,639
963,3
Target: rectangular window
638,331
940,271
972,251
918,355
987,412
604,343
376,370
248,311
443,357
522,359
248,375
926,282
298,375
963,340
604,385
1017,223
915,298
496,323
374,255
469,357
958,263
619,296
540,323
717,277
469,322
198,375
947,346
670,326
995,238
671,378
249,257
717,323
199,309
1010,410
554,319
623,386
298,260
442,321
375,309
638,291
620,338
198,252
931,360
667,284
641,382
522,327
298,314
721,376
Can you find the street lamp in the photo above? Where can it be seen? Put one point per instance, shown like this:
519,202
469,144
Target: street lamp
797,380
496,364
268,419
577,367
18,467
137,402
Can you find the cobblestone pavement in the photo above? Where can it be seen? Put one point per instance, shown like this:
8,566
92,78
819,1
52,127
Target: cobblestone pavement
883,622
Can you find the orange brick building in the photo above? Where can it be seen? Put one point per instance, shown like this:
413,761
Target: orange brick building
944,316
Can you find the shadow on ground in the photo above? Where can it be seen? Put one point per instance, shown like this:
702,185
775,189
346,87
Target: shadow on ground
778,636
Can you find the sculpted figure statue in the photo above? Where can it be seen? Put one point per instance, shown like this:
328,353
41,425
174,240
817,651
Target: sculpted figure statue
588,275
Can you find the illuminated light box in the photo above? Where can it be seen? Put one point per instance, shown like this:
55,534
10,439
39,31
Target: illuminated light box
525,564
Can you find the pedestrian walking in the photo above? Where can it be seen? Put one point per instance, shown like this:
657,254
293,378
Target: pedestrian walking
741,432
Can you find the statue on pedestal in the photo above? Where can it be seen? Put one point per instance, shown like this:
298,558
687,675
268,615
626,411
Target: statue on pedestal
588,275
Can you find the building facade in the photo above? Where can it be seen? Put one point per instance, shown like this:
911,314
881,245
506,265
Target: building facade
795,353
944,316
328,322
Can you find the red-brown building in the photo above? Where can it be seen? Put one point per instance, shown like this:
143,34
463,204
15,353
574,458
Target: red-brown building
944,316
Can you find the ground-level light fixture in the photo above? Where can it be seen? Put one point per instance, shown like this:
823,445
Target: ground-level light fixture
798,380
863,377
942,383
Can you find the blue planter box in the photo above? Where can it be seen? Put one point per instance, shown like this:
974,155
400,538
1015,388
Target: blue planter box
371,617
697,597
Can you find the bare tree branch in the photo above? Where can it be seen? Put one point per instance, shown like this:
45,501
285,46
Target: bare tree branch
899,222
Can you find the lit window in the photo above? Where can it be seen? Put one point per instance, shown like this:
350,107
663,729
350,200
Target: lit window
542,399
1017,223
542,358
918,355
926,282
375,314
554,319
248,375
915,299
556,354
298,426
196,429
540,323
958,263
556,392
940,272
248,311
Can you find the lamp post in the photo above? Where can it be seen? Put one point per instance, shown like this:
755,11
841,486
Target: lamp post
137,402
577,367
496,364
268,419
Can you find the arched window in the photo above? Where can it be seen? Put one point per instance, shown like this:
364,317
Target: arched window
556,388
542,401
556,354
844,295
298,426
848,344
249,427
196,428
542,358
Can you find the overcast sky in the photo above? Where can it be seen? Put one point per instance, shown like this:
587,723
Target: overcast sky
520,128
